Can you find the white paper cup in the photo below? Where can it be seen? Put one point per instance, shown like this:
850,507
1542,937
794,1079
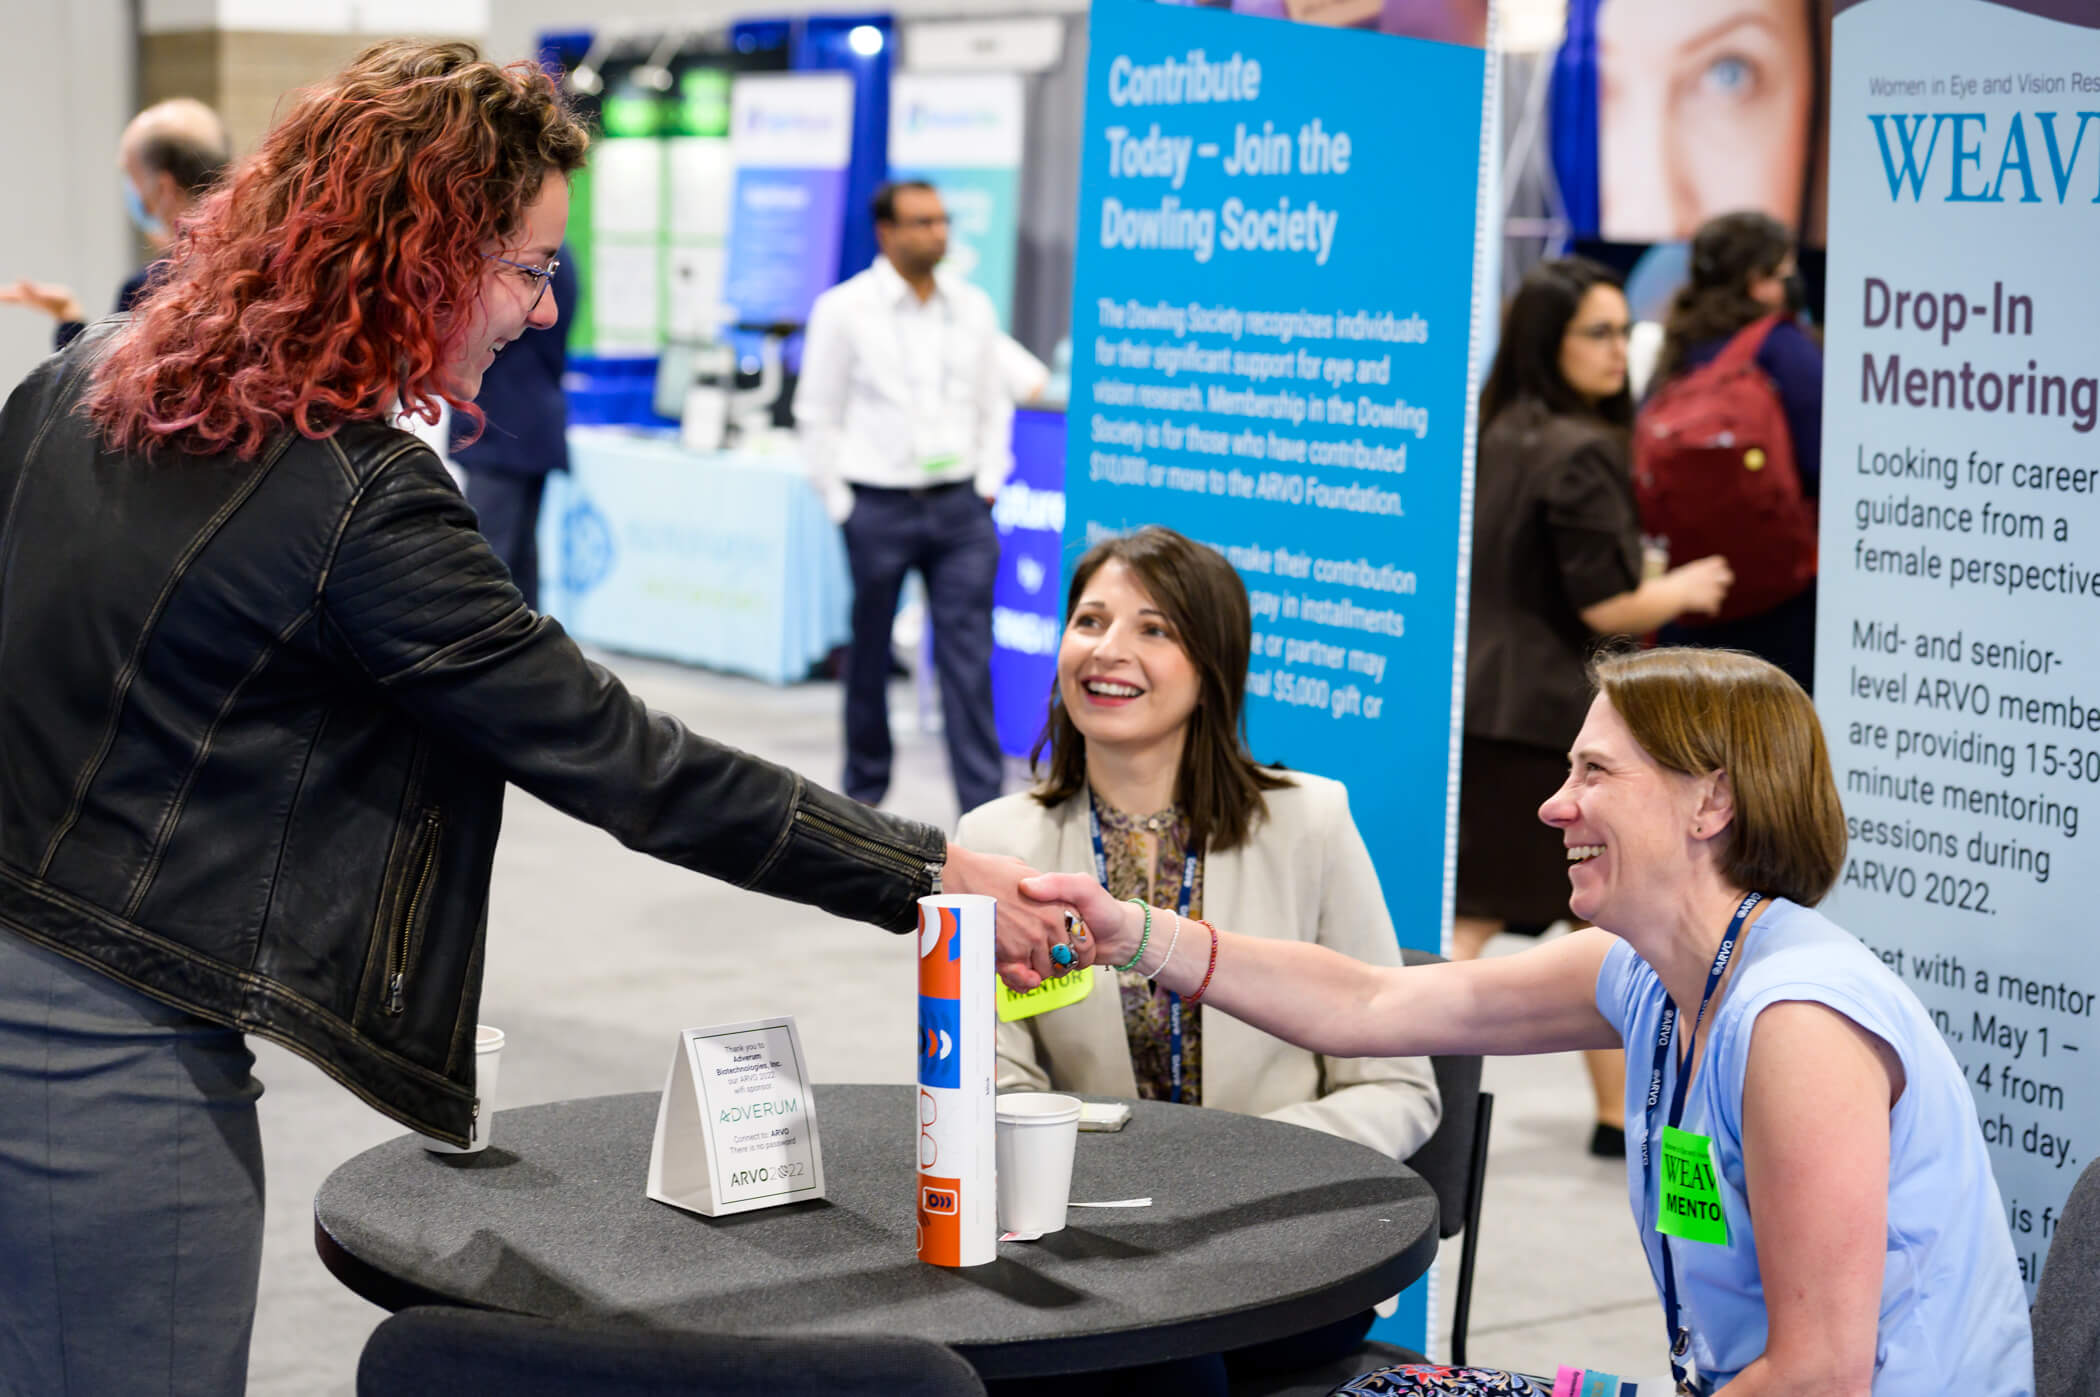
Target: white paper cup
488,1059
1037,1133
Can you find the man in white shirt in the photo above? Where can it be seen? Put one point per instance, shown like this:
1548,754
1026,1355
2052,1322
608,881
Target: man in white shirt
907,425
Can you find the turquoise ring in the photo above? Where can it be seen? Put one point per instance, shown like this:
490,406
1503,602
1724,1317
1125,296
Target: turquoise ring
1062,955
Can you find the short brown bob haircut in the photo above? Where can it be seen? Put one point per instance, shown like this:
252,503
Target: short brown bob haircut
1697,711
1219,786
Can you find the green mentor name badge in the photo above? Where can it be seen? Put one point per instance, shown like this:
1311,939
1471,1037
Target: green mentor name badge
1054,993
1691,1190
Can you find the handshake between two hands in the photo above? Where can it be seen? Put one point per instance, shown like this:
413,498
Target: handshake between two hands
1033,916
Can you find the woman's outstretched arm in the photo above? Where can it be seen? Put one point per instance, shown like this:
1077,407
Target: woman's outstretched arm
1540,1001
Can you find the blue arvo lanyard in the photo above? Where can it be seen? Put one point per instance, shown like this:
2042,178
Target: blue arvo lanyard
1188,892
1680,1334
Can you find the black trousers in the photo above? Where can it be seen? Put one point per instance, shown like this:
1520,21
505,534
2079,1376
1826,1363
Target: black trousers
508,503
946,533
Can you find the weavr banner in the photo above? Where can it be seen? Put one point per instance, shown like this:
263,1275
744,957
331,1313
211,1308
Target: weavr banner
1955,672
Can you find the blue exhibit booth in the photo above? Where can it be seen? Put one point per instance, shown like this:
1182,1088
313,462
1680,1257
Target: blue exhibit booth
714,559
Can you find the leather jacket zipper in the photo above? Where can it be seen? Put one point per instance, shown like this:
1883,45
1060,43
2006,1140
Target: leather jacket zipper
399,946
909,864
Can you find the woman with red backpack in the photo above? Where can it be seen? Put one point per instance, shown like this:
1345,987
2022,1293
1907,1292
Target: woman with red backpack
1728,446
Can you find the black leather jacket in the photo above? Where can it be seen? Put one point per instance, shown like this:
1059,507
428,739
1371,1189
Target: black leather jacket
255,723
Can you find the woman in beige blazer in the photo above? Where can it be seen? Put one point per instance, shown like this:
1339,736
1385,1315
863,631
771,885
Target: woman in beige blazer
1144,738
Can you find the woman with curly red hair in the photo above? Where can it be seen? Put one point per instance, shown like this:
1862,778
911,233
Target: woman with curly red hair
264,686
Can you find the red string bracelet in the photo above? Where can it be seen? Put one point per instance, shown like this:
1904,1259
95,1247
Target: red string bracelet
1197,997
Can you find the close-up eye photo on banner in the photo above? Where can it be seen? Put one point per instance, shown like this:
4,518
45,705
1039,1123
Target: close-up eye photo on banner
1704,107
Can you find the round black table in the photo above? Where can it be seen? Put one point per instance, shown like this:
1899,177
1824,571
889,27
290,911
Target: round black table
1257,1230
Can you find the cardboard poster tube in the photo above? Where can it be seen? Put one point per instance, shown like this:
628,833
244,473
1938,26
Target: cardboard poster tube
957,1184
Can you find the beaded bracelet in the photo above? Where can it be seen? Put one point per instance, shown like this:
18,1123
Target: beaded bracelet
1172,942
1197,997
1143,936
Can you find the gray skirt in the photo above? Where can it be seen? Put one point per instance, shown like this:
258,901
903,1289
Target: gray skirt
131,1189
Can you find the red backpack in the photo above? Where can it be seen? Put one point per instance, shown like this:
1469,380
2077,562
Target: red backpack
1713,471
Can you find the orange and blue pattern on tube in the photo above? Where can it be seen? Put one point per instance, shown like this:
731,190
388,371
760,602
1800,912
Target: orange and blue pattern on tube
940,1196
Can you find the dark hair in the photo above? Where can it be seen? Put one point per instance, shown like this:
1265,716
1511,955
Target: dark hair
884,204
1728,253
194,164
1696,711
1527,359
1205,602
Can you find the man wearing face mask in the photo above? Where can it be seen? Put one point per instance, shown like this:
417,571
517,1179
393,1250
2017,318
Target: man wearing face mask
169,155
907,422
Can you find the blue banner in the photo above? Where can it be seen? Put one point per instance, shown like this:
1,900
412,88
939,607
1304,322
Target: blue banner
790,139
1271,334
1027,600
784,242
1273,329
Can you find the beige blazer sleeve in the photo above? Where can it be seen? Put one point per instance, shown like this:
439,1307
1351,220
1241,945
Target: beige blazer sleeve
1390,1104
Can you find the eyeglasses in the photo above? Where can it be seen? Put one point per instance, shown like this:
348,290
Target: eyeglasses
542,277
1603,334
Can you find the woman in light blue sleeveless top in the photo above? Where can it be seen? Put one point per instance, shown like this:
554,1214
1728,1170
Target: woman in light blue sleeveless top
1951,1298
1795,1124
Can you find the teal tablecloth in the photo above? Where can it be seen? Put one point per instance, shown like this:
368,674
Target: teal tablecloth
719,560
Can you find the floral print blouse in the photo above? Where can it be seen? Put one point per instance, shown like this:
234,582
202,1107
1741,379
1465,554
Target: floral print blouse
1146,857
